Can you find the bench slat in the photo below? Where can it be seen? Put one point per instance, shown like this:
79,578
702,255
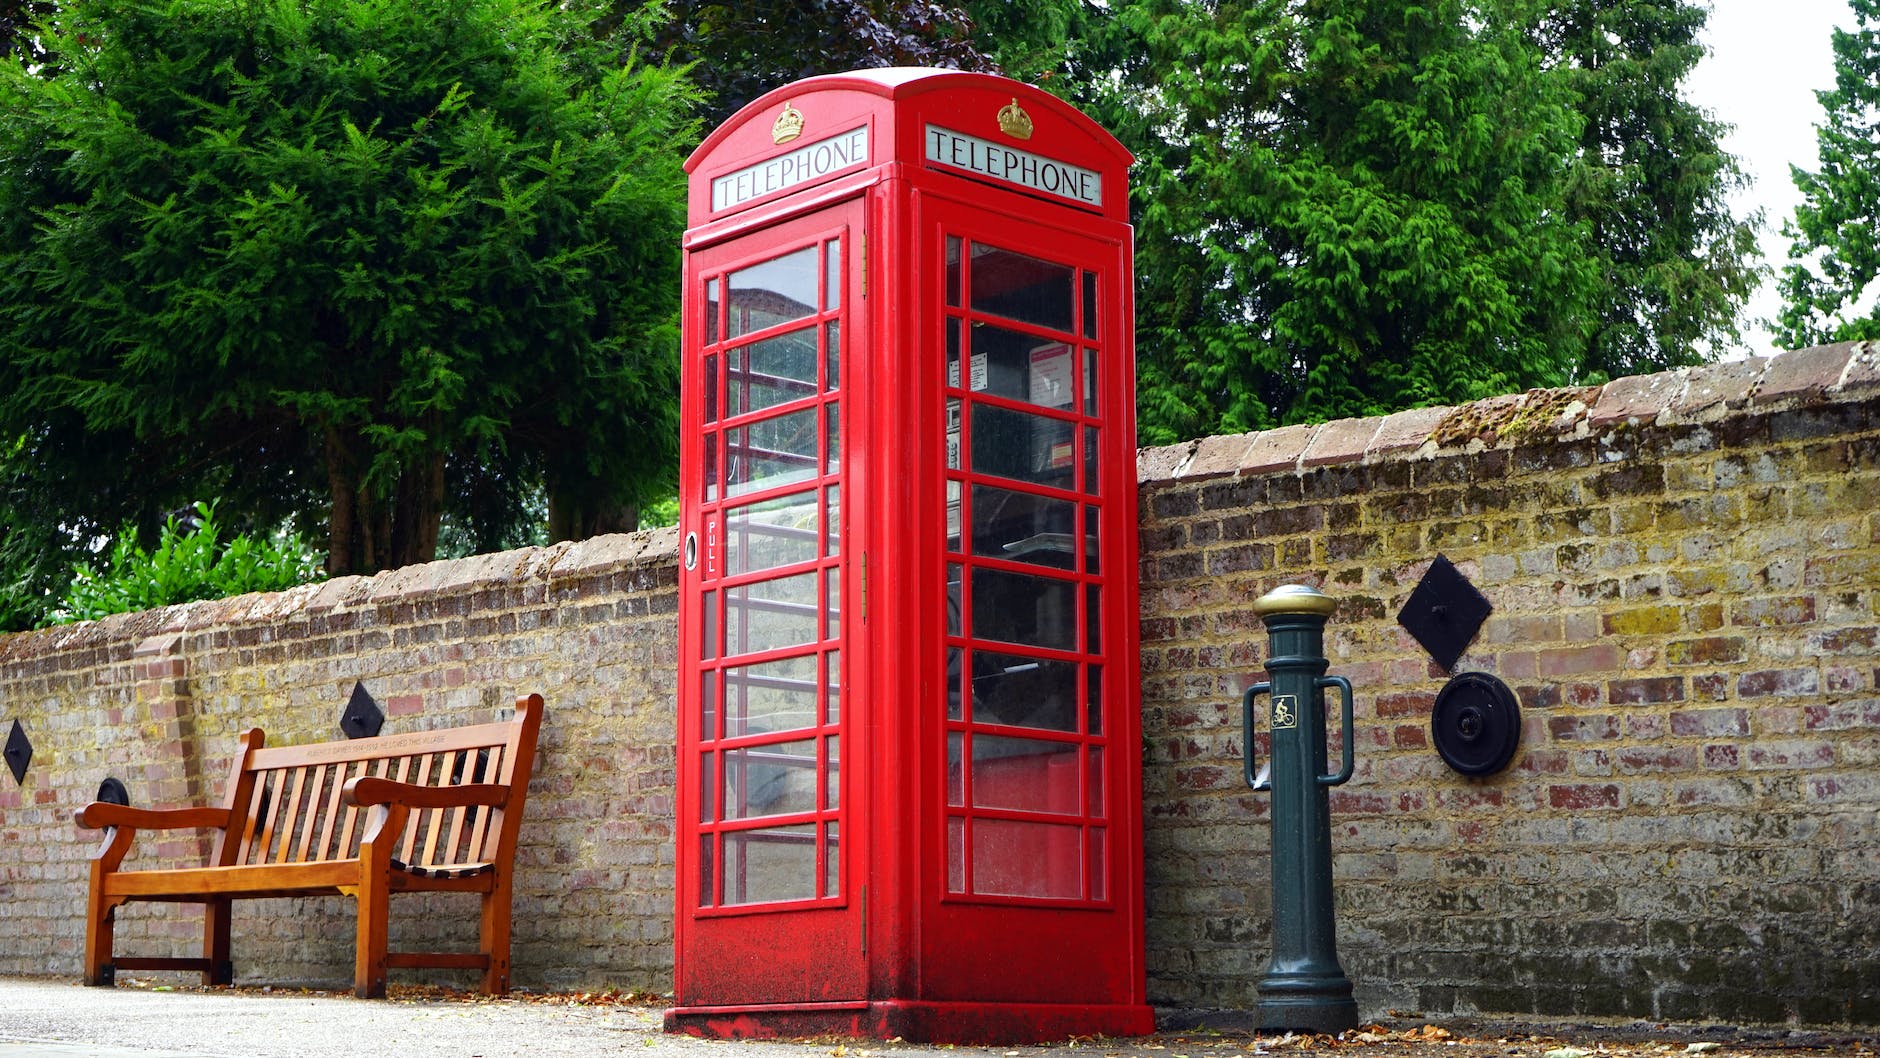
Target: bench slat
326,850
296,782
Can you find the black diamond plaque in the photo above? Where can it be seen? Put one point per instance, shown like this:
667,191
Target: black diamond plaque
362,717
1444,612
19,752
112,792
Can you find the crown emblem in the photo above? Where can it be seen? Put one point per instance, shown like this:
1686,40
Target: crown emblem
1014,122
789,125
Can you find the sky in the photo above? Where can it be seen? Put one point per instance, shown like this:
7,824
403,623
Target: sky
1767,58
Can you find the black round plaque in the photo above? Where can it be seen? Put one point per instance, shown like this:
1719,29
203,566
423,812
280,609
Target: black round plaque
112,791
1476,724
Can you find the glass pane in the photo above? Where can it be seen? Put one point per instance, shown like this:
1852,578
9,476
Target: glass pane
711,310
953,354
708,706
832,274
832,775
1026,775
956,663
1099,864
1093,700
772,614
1091,563
773,533
832,687
1024,692
1019,608
707,871
956,855
771,372
1094,785
953,599
1090,305
772,696
711,388
953,434
1024,527
832,439
776,863
709,633
1020,287
832,604
1013,444
772,452
1021,367
1093,620
832,862
1011,858
832,354
711,467
832,525
772,780
953,270
1090,382
707,786
1093,470
953,515
956,770
774,292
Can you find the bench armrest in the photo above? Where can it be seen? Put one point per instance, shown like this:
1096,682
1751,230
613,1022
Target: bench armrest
106,814
372,790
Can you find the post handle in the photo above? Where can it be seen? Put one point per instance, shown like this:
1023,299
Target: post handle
1345,718
1261,781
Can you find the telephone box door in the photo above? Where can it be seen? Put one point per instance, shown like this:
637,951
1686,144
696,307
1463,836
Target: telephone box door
766,651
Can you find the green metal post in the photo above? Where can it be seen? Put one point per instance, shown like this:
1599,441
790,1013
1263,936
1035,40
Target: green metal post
1305,989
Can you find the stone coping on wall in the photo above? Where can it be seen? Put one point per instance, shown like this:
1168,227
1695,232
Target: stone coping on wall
1827,374
503,571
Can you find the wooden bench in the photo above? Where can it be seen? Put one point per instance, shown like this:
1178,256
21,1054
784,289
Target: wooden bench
430,811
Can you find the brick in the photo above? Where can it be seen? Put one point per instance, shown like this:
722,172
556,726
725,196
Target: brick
1635,399
1584,797
1643,621
1782,683
1806,374
1215,456
1403,432
1715,650
1710,723
1339,441
1767,613
1713,389
1643,691
1276,449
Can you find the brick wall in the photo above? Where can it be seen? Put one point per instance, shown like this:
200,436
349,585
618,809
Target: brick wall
1685,570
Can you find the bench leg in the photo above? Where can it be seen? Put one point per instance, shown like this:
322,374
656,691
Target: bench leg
100,923
494,935
215,946
369,950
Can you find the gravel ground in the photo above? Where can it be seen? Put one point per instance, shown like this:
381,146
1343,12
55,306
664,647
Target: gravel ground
58,1019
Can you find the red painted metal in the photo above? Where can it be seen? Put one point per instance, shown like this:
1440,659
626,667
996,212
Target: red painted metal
909,770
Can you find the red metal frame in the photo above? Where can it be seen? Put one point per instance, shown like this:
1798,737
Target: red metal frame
917,939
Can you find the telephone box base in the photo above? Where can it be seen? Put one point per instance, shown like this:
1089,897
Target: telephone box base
917,1022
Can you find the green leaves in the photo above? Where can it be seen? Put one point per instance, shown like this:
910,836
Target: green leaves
1828,287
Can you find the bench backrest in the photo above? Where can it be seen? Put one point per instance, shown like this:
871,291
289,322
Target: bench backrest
285,800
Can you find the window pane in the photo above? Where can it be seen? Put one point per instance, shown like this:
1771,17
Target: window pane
1020,366
776,863
1090,305
709,633
1093,471
774,292
832,354
832,525
711,388
773,533
1091,522
832,775
708,705
707,786
956,770
773,696
711,467
1093,700
1099,864
1094,784
953,270
1093,620
832,687
707,870
1024,692
956,664
1026,775
953,599
1023,447
953,434
956,855
832,439
711,310
771,372
953,357
1024,527
772,614
1018,608
832,862
1011,858
1090,382
832,604
832,274
1020,287
772,780
953,515
772,452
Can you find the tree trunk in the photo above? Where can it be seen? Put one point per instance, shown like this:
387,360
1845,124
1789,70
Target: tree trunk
368,533
573,514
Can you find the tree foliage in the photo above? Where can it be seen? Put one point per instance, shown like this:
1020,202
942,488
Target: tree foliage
1651,181
1346,207
17,40
355,261
1828,290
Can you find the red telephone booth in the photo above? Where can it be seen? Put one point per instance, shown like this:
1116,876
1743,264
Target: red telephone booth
908,742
